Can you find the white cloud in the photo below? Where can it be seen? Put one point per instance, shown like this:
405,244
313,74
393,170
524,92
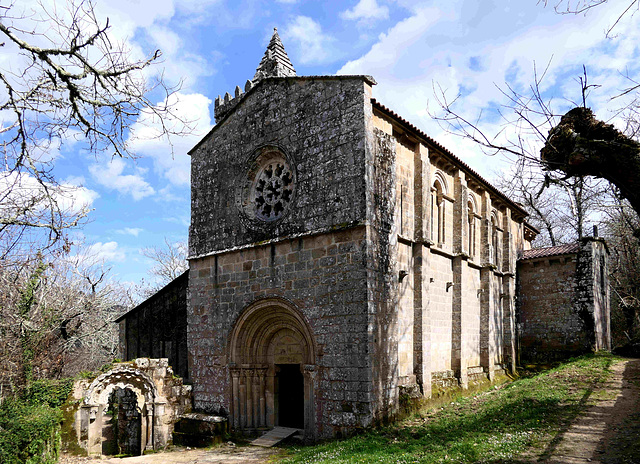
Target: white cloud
470,51
107,251
366,10
171,159
70,196
110,175
312,44
135,231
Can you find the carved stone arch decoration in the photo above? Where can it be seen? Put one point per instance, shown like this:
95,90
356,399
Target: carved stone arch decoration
439,190
272,354
438,177
143,404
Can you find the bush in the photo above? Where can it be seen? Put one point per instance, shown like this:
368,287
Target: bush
29,433
30,423
51,392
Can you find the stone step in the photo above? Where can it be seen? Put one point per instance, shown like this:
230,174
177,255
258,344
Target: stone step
195,429
275,436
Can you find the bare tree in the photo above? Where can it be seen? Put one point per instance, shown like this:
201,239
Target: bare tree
624,265
170,261
580,145
628,8
67,81
56,316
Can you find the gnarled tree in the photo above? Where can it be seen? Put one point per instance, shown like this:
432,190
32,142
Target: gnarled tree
581,145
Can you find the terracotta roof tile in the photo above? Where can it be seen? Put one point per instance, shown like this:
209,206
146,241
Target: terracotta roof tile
551,251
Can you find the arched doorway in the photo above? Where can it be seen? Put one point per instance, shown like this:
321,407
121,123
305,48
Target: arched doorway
272,354
121,424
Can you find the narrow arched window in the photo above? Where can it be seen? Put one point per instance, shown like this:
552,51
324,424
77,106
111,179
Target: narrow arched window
494,240
437,212
472,228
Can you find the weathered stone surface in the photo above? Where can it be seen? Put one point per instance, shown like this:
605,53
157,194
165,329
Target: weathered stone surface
147,398
564,302
338,256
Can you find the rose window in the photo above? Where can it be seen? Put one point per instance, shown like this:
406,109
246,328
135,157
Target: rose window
273,189
267,189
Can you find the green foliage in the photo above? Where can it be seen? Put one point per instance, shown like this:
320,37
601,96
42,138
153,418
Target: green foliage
494,426
28,339
29,433
30,423
51,392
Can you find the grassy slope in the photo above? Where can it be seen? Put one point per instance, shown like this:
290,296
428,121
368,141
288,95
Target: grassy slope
506,424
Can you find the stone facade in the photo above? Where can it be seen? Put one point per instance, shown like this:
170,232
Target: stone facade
564,301
330,234
339,256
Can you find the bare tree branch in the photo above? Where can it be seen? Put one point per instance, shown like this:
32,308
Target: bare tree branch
68,80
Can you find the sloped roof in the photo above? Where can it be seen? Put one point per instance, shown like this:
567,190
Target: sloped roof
546,252
160,293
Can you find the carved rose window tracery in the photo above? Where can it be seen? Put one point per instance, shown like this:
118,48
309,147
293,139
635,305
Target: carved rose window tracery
267,190
273,190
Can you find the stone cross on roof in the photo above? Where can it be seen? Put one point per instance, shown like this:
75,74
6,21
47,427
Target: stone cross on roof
275,62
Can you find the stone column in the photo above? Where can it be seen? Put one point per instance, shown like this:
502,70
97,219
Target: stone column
235,397
262,421
309,372
460,215
149,431
459,333
509,321
421,253
249,399
242,394
255,406
487,299
487,328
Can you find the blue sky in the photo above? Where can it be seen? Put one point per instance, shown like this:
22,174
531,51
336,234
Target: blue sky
465,47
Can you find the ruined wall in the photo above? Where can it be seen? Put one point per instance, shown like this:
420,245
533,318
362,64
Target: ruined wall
157,398
157,328
564,302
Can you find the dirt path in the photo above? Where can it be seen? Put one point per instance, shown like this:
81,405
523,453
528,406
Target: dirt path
609,431
222,455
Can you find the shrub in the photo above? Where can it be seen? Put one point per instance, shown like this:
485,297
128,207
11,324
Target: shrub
29,433
30,423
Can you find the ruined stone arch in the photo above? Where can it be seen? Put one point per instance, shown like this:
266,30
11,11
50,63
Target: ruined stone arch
94,408
270,337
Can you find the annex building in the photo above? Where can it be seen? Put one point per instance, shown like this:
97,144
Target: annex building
339,257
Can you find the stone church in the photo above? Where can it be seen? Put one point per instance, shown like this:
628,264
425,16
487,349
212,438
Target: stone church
340,257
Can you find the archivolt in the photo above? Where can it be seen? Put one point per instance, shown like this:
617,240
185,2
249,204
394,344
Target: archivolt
256,328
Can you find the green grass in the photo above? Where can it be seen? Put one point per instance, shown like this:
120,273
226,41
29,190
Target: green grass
516,422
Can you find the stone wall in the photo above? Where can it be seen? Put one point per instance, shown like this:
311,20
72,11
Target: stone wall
156,399
157,328
318,125
564,302
322,276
